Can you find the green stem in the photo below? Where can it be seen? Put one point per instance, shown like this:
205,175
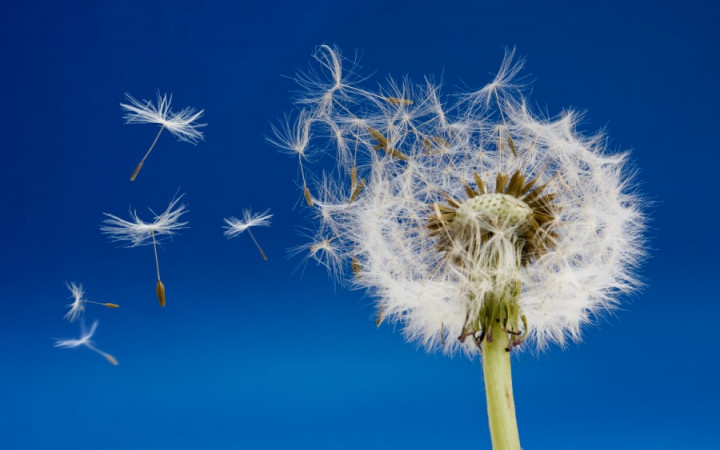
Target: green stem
498,388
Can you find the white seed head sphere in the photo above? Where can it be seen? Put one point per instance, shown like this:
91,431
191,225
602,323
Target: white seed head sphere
440,207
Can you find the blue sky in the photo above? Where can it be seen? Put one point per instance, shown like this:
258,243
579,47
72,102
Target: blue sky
250,354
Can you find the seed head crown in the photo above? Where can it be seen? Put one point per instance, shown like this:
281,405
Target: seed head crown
502,208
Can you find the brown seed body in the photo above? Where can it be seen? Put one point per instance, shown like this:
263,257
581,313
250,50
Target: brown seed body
160,288
398,101
308,197
383,145
137,170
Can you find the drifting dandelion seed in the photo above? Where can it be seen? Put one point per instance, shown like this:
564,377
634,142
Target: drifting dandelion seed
137,232
77,307
294,138
324,252
236,227
85,341
478,225
181,124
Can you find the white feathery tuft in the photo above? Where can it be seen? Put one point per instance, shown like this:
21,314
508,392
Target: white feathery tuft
505,84
293,137
85,340
181,124
236,226
249,221
137,232
78,305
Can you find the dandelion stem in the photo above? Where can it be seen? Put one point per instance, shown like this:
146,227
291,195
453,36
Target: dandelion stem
262,253
498,389
157,263
142,161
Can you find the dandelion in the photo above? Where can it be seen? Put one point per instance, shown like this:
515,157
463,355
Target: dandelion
77,307
137,232
236,227
85,341
181,124
478,225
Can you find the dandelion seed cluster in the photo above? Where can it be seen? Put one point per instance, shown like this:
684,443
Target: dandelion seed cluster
138,232
448,207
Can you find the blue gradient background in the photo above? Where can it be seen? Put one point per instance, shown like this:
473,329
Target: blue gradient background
248,354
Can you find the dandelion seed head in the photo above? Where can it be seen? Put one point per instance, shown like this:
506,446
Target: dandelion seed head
182,124
469,204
